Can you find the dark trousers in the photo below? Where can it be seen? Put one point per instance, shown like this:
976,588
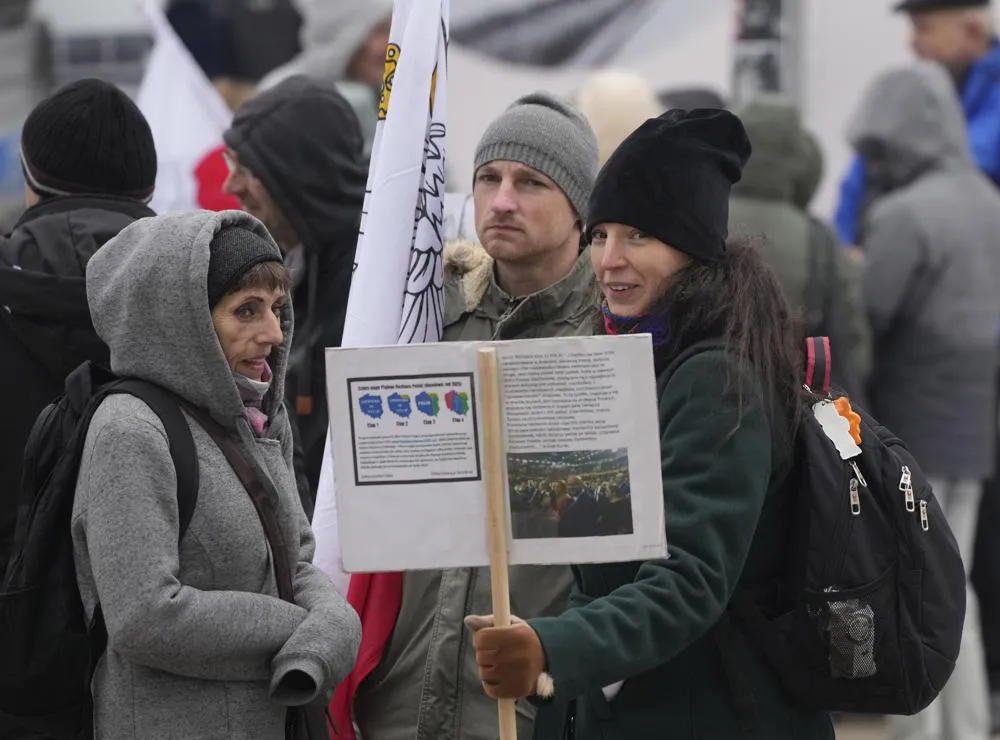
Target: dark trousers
986,570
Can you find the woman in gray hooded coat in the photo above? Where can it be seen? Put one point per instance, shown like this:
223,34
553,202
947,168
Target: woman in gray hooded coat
199,643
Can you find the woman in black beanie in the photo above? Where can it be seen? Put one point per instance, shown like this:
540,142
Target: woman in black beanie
641,654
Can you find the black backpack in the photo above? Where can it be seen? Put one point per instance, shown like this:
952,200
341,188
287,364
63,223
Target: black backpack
49,650
869,613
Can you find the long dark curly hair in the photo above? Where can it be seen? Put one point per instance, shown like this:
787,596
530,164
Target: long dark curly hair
738,302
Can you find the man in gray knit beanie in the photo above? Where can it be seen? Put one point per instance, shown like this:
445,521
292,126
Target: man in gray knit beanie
548,135
535,167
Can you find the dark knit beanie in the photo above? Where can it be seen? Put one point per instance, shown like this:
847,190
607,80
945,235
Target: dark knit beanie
234,251
671,179
89,138
923,6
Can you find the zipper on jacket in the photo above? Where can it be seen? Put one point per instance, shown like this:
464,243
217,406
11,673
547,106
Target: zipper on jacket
462,647
925,521
509,311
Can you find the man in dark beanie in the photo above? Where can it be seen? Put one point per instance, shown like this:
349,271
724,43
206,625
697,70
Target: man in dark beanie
295,154
89,138
90,166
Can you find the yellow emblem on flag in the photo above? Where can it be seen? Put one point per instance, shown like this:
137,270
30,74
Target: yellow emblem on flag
391,60
434,82
392,53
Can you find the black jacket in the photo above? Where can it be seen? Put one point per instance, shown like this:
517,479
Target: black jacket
302,140
45,326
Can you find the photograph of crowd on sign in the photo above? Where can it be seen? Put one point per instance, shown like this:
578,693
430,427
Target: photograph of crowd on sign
584,493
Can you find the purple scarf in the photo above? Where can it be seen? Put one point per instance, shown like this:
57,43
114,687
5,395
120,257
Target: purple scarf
654,324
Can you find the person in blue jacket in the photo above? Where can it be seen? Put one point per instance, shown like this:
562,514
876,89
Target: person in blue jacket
961,35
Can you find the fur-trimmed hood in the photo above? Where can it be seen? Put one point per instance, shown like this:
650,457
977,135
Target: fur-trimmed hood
468,264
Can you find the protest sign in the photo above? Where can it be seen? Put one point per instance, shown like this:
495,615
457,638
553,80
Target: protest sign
580,463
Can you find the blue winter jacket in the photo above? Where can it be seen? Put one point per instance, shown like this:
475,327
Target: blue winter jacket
981,104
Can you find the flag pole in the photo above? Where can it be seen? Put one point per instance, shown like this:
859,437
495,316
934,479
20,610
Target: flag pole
489,388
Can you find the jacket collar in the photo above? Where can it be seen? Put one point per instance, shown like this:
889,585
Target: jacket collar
66,203
561,301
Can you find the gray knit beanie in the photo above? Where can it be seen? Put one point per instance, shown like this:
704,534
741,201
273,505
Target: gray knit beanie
546,134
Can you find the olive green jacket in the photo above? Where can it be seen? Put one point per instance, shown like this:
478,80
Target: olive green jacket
427,686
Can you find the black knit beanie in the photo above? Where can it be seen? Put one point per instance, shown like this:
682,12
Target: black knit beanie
671,179
89,138
234,251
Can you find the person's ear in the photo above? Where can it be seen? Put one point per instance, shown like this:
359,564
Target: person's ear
31,196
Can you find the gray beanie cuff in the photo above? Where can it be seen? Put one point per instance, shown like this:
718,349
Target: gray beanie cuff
576,192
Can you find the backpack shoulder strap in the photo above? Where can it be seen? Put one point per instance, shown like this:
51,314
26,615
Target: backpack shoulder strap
260,496
686,354
818,365
820,284
166,406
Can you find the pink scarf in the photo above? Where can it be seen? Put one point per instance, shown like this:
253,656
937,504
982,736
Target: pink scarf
252,394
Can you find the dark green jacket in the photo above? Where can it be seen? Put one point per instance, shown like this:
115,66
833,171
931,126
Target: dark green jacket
649,623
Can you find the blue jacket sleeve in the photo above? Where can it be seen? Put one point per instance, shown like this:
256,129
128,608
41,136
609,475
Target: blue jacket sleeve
852,195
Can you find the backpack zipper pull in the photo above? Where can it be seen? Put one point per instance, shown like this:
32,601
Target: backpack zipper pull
906,486
857,472
925,522
855,498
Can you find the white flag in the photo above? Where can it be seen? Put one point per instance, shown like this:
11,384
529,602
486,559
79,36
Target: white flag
185,112
397,290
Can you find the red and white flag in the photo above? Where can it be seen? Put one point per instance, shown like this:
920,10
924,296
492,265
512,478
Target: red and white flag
186,115
400,253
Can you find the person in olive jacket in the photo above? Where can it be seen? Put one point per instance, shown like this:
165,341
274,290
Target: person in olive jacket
639,654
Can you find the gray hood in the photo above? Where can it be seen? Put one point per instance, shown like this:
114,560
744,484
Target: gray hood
148,296
909,122
332,32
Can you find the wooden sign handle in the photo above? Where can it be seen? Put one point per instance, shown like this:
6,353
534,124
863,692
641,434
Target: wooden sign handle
496,495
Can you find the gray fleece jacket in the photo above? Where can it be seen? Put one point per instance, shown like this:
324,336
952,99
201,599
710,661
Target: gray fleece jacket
199,644
932,277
